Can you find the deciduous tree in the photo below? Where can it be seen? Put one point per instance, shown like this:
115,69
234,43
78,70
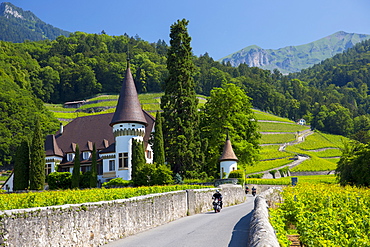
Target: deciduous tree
228,109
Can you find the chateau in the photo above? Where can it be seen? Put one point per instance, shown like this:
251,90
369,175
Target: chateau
111,133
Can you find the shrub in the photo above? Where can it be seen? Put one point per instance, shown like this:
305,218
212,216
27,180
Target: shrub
259,175
236,174
116,182
273,172
178,179
59,180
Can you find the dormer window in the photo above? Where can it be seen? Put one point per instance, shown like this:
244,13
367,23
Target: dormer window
133,125
70,156
86,155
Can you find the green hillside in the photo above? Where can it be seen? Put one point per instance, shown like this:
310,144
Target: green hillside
17,25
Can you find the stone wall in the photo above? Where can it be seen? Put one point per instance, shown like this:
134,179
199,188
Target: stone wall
261,233
94,224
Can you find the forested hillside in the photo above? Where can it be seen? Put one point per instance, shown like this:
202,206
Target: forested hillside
83,65
17,25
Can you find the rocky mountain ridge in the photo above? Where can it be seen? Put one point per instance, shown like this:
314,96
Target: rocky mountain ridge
17,25
295,58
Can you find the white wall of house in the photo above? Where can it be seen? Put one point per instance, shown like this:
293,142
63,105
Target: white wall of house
227,166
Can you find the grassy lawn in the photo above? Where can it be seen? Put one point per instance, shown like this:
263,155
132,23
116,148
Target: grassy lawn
280,127
276,138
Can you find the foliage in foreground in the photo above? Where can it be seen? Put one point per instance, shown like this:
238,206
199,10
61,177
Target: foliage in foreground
50,198
324,215
328,179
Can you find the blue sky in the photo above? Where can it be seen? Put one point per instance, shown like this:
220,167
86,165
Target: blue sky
218,27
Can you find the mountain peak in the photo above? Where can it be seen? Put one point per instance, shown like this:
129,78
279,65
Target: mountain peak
295,58
9,10
17,25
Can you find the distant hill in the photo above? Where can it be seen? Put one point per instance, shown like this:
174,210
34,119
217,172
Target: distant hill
295,58
17,25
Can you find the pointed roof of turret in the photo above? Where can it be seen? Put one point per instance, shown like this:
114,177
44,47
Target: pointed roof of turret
228,153
51,147
128,107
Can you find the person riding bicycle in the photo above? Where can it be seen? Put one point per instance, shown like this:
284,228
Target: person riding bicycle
218,196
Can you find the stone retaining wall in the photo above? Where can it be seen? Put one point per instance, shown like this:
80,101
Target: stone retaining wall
94,224
261,233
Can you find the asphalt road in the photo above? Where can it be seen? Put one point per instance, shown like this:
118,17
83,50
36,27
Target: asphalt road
228,228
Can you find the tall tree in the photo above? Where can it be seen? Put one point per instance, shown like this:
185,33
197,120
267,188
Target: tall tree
179,103
138,161
94,173
158,145
76,169
229,109
37,166
22,167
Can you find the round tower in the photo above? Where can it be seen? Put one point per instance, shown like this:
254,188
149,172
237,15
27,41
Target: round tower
228,159
128,122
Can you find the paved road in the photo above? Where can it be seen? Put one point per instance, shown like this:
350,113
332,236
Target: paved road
228,228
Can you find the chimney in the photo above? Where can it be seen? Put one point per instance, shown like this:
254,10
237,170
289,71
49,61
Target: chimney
61,129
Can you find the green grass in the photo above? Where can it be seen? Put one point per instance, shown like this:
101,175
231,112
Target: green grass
276,138
267,165
280,127
328,179
272,152
266,116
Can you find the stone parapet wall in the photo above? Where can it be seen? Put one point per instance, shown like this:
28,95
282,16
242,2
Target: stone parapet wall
261,233
95,224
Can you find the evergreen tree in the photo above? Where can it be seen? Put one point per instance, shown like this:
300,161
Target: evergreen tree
94,173
76,169
22,167
158,145
179,103
137,160
37,166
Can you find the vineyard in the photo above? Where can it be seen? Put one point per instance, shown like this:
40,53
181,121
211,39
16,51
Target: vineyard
51,198
323,215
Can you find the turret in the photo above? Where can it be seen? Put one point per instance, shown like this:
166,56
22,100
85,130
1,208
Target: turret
128,122
228,159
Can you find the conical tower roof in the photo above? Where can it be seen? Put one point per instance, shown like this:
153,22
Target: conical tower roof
128,107
228,153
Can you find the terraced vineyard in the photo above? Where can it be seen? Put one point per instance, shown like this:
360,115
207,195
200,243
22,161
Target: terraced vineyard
277,133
